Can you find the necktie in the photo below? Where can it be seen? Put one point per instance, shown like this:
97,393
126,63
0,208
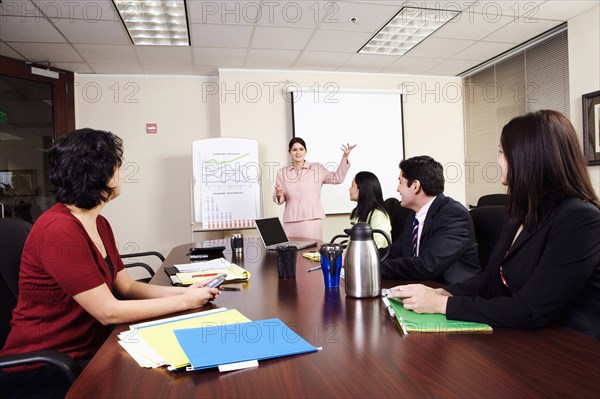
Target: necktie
415,237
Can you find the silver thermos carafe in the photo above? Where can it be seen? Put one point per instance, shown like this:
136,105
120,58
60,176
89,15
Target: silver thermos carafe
362,263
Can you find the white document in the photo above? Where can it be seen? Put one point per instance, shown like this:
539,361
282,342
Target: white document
219,263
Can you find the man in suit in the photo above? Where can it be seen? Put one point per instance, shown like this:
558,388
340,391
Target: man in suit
438,241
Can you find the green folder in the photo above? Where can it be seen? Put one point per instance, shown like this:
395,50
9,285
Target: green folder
410,321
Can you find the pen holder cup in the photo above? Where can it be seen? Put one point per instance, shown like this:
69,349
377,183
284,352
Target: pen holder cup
331,264
237,243
286,261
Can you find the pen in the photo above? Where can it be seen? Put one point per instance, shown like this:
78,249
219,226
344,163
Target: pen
229,288
205,275
312,269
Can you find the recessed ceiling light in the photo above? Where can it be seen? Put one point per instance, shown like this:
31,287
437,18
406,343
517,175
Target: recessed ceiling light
407,29
155,23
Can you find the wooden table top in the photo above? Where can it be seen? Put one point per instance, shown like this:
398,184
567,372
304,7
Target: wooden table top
363,355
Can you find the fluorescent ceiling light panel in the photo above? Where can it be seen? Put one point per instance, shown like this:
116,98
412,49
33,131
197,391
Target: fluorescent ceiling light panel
155,23
407,29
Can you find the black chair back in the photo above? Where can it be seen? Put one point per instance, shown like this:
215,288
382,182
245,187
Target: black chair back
488,222
493,199
398,216
13,233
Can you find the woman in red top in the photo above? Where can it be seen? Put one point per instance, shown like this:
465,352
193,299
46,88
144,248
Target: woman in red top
71,269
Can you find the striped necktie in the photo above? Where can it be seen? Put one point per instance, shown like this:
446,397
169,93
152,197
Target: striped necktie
415,237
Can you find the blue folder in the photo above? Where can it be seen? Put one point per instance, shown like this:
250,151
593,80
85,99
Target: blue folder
208,347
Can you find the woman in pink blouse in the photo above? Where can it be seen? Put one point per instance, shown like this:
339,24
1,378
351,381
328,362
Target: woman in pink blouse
298,184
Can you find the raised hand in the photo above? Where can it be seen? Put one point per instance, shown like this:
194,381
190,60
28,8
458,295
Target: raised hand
347,148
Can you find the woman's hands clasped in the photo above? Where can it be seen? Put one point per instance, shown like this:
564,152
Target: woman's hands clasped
420,298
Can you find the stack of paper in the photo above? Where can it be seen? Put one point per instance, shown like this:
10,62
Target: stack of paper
153,344
234,274
216,338
409,321
264,339
219,263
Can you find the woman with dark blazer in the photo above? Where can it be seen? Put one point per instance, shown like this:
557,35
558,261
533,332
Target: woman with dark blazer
545,269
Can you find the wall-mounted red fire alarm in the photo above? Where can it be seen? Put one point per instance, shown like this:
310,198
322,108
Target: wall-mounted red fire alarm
151,128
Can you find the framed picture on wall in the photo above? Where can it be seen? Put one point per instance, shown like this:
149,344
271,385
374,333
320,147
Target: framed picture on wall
591,127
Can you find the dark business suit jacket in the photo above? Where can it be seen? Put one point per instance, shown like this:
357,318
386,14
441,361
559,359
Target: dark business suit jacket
447,252
552,271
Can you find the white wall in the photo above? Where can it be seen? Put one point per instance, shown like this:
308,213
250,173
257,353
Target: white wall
153,211
584,67
254,104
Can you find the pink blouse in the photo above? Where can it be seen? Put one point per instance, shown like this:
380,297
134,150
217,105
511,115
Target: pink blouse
302,189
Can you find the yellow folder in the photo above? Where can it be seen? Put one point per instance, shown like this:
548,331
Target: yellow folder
235,274
161,338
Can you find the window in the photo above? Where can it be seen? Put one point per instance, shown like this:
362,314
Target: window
529,80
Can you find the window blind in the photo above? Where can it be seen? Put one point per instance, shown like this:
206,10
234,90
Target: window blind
530,80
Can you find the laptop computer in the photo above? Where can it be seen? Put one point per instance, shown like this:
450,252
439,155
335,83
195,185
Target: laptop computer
272,234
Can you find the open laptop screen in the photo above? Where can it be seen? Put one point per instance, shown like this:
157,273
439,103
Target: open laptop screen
271,231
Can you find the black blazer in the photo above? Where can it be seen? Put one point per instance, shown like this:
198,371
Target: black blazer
552,272
447,247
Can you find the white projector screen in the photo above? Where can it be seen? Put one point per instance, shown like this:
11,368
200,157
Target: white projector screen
370,119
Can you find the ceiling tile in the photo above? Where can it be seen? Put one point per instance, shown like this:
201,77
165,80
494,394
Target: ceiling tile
369,17
239,12
280,38
521,31
369,61
15,8
78,67
54,52
169,69
164,55
493,9
118,68
408,64
206,70
93,32
29,29
106,54
360,69
438,47
482,51
452,67
321,59
295,14
7,51
335,40
271,58
220,35
92,11
560,10
471,27
219,56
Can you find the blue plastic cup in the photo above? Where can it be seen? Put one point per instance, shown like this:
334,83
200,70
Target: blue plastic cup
331,264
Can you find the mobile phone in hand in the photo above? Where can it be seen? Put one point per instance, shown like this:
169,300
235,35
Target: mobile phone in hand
217,281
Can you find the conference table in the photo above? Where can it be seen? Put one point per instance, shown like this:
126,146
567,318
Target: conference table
363,354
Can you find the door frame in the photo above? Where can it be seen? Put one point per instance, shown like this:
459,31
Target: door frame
63,93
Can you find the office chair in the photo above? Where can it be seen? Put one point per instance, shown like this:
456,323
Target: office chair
142,264
13,233
398,216
493,199
488,222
